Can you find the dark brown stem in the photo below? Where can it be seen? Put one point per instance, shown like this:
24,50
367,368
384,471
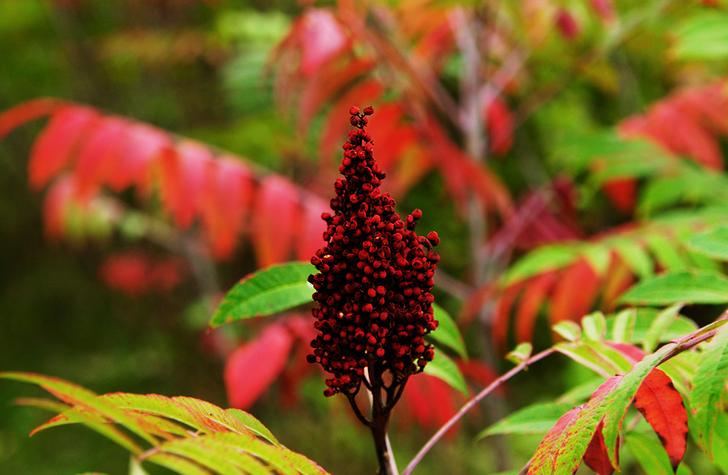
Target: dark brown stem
381,410
357,411
384,455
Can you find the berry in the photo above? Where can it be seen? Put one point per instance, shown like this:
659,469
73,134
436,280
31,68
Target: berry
374,286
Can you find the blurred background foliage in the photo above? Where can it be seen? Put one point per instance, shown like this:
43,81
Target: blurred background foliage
200,69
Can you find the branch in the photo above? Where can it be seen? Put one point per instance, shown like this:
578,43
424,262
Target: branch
357,411
470,404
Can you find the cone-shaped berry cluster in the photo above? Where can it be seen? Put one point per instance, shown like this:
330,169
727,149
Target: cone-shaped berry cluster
375,278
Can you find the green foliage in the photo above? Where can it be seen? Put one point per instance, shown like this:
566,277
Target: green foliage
694,287
703,36
267,292
447,332
534,419
444,368
712,243
708,388
184,434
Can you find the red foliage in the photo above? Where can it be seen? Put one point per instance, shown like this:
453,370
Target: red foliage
567,24
603,8
55,147
254,366
411,139
657,399
429,402
686,123
136,273
577,288
25,112
225,203
531,301
499,121
86,152
596,453
663,408
275,212
319,37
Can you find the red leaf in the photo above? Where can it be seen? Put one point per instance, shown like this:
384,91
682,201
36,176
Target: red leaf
254,366
603,8
479,372
136,273
707,105
275,208
225,201
183,180
618,278
429,402
596,456
663,408
300,326
309,237
533,297
623,193
545,457
320,37
499,122
567,24
327,82
13,118
55,206
631,352
98,156
54,148
142,147
575,293
502,313
458,169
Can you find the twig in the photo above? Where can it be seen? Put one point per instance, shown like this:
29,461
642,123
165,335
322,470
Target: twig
469,405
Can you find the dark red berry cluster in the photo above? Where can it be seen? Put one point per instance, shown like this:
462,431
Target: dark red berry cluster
375,278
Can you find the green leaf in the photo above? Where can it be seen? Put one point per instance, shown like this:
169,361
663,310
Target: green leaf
702,37
567,329
649,453
635,257
618,400
598,256
541,260
563,447
447,333
708,386
700,287
76,395
135,468
720,442
666,253
186,435
580,392
643,320
713,243
266,292
534,419
177,464
624,323
520,353
444,368
659,325
596,356
595,326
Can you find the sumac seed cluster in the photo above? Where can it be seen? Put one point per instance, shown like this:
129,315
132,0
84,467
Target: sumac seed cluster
374,285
